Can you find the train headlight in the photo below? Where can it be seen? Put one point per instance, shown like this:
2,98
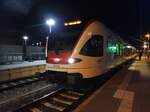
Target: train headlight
71,60
56,59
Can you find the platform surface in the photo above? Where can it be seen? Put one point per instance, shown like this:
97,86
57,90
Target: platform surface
22,64
127,91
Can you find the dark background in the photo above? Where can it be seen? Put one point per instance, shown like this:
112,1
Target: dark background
128,18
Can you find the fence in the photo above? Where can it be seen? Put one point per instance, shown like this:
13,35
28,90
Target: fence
9,58
18,57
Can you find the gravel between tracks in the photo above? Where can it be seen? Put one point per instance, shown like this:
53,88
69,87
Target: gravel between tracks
19,91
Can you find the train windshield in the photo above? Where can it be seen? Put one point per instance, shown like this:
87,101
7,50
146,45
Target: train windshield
65,38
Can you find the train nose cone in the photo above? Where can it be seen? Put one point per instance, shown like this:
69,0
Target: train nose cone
60,58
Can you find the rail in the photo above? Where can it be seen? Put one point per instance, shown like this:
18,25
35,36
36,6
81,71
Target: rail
19,101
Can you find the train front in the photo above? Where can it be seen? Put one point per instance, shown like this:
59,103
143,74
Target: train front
60,46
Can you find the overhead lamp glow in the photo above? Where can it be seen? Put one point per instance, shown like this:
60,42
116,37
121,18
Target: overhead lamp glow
71,60
145,46
50,22
129,46
25,37
147,35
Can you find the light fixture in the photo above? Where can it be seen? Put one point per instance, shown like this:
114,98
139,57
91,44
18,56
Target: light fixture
129,46
25,37
50,22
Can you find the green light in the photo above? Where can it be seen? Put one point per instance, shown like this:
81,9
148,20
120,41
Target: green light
112,49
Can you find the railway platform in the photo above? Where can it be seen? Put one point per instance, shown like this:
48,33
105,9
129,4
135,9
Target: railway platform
22,64
126,91
21,69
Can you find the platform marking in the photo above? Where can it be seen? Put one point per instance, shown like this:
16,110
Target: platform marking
69,96
76,93
127,97
35,110
126,81
53,106
63,101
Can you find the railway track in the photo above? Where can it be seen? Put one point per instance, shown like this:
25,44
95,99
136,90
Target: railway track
13,103
64,100
7,85
60,98
59,101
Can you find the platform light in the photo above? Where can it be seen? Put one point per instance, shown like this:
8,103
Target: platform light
145,46
148,41
147,35
50,22
145,43
129,46
25,37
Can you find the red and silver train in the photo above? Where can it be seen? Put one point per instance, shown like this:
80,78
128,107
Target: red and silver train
87,52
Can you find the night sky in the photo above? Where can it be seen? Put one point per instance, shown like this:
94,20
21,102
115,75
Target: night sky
128,18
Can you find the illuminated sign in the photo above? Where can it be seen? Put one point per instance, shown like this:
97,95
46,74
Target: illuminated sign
72,23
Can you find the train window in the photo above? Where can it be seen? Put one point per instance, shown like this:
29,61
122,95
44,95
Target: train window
64,38
93,47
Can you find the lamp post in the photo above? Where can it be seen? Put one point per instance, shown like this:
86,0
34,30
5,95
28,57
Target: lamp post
50,23
148,37
25,38
148,51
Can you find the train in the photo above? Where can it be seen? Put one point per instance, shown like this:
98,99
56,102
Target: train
87,51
